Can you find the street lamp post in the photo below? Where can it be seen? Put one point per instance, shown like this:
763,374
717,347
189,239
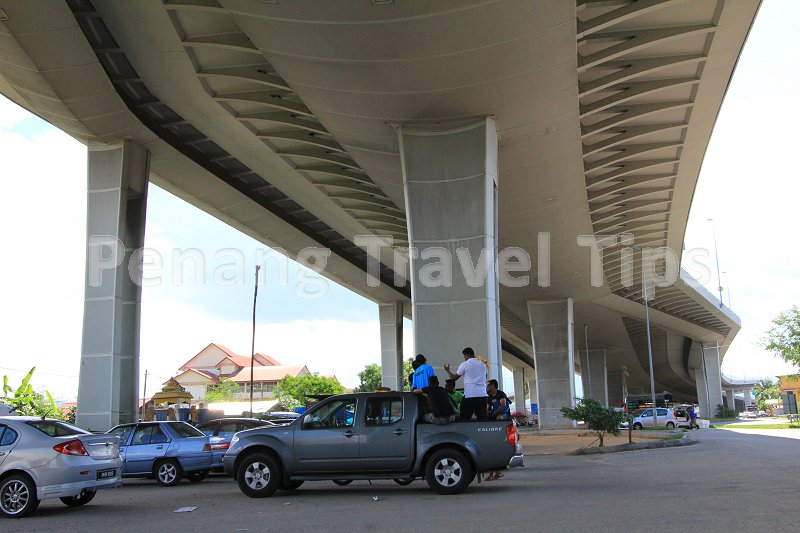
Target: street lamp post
716,255
649,341
253,340
728,287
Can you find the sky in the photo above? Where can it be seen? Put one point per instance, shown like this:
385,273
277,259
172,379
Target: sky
749,186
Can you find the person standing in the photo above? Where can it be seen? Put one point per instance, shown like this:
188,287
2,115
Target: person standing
422,373
455,395
690,412
499,406
474,372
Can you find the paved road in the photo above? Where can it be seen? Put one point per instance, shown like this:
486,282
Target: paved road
729,482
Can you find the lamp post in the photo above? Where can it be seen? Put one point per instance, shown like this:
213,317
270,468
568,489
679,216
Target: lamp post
649,341
253,341
728,287
716,255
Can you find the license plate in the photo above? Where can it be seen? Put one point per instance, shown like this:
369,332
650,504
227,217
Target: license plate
106,474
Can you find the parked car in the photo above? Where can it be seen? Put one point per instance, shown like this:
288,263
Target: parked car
221,432
278,417
167,451
370,436
643,418
41,458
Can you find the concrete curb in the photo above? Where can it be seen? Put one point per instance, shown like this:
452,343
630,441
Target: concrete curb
673,443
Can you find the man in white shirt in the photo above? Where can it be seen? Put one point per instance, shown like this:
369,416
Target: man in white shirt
475,398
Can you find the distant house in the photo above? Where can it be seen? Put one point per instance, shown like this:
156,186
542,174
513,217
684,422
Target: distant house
214,361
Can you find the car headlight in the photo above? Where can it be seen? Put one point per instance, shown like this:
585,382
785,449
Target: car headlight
234,440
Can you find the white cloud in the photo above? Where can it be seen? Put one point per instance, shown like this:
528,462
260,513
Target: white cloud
11,113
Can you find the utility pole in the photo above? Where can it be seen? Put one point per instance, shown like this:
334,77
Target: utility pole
144,397
253,341
716,254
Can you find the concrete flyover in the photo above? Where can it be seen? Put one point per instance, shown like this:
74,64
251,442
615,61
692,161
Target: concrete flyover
566,132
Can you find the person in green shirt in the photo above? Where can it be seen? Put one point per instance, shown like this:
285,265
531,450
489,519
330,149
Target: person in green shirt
455,396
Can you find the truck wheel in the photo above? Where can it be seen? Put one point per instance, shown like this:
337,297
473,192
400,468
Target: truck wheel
448,471
259,475
342,482
670,425
82,499
168,473
637,425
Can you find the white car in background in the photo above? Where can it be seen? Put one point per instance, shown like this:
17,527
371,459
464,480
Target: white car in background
643,418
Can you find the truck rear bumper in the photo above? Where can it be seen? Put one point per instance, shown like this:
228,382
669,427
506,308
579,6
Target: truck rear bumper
516,461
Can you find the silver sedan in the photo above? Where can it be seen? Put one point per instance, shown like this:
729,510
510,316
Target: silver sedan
43,458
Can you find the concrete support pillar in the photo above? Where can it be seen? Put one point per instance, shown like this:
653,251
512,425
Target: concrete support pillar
730,398
713,376
594,375
616,387
552,331
450,180
533,392
117,199
391,323
748,397
519,390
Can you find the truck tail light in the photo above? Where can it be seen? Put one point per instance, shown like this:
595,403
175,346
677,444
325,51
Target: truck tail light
511,435
71,447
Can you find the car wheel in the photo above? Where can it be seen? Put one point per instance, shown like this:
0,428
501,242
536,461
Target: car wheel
197,476
342,482
291,485
83,498
259,475
17,496
404,481
168,473
670,425
448,471
637,425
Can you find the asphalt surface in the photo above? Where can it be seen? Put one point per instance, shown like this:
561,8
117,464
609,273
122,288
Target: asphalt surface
731,481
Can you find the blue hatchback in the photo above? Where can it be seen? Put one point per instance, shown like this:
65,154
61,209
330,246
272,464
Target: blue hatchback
164,450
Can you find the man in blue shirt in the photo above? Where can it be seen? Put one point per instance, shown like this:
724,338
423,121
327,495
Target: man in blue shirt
423,372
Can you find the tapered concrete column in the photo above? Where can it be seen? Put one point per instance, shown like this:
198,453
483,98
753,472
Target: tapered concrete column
748,397
533,392
519,390
117,199
391,323
594,375
552,331
616,387
450,180
713,377
730,398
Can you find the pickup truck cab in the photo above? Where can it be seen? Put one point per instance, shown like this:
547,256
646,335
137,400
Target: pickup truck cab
369,436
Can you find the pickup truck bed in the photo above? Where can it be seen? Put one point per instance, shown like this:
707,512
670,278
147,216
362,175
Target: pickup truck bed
370,436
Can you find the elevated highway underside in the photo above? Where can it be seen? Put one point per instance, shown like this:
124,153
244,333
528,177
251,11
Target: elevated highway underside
281,118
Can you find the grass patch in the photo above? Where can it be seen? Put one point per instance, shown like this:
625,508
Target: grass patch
756,426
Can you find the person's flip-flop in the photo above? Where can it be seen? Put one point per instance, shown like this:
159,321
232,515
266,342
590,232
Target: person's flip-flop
490,477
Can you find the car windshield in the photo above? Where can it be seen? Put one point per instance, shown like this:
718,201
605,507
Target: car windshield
637,412
185,430
56,429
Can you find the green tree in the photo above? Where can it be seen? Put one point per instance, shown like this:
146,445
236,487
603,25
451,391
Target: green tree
766,389
371,378
596,417
224,391
293,391
407,369
783,338
27,401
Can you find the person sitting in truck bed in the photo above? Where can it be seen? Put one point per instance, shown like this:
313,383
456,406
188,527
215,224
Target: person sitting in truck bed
441,411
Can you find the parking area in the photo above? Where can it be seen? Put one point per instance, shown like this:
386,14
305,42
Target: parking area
729,482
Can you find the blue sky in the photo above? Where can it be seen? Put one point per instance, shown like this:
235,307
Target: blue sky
749,184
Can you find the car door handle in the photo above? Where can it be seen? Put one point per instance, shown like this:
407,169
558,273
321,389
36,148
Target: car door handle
399,431
348,433
159,447
2,453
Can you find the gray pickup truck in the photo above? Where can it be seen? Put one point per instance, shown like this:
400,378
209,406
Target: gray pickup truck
369,436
